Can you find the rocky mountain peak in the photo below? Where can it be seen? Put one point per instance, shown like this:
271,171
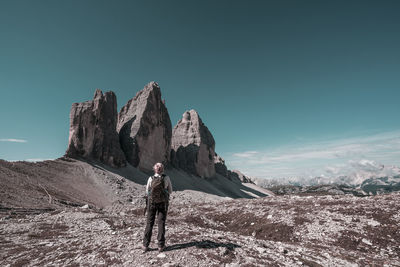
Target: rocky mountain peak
99,94
92,131
142,135
144,128
191,130
193,145
150,95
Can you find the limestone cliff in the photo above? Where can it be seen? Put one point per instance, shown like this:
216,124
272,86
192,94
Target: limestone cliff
144,128
193,146
92,133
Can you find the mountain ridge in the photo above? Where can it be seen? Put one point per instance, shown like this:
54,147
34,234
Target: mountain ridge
145,136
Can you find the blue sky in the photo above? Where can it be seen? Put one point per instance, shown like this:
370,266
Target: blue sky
269,78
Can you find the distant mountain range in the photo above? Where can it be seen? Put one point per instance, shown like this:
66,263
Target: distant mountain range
352,184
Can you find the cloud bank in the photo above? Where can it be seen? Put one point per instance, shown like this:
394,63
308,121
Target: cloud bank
357,158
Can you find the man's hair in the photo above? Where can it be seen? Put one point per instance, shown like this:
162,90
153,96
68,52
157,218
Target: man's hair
158,167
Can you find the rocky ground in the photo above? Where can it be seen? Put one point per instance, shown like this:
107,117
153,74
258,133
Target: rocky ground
271,231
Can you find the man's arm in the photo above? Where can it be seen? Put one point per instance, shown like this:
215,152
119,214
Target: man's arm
148,186
168,185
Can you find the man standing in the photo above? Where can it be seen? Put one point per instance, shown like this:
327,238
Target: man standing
158,189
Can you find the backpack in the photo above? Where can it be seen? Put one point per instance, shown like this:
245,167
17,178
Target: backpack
158,193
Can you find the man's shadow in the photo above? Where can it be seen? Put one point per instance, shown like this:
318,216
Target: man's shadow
202,244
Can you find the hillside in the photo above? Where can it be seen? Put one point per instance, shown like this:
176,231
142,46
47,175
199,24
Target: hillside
69,182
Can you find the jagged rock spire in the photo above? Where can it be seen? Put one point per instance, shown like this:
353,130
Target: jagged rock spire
144,128
192,146
92,133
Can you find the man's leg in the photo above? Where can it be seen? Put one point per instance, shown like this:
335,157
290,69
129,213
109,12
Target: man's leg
151,215
161,218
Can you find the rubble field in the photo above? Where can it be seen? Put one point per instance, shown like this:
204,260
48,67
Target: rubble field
272,231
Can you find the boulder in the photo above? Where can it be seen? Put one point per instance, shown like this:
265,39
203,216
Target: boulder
192,146
92,133
144,129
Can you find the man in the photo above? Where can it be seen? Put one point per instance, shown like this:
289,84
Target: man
158,189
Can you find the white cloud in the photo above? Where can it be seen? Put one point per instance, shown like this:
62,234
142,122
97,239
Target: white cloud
246,154
13,140
367,165
363,156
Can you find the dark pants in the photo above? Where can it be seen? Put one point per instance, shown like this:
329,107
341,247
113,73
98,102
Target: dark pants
161,210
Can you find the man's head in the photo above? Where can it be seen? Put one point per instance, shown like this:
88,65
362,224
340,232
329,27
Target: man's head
158,168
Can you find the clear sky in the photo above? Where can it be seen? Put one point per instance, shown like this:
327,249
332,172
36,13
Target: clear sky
282,85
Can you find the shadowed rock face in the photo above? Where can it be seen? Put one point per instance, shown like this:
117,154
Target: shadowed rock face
92,133
243,178
235,175
145,129
193,146
220,166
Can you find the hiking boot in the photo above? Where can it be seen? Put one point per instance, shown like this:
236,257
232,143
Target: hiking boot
145,249
161,249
